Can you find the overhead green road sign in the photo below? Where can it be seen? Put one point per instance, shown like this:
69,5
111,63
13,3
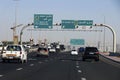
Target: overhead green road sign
68,24
85,22
44,21
77,42
72,24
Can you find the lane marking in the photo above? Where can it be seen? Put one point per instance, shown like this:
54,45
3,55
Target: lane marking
83,78
77,63
19,69
77,66
79,71
46,60
63,60
1,75
40,62
31,64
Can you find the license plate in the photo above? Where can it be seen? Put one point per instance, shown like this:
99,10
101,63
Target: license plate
10,57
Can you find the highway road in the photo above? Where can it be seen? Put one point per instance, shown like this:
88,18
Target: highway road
60,66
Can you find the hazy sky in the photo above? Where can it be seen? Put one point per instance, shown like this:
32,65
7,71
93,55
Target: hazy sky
100,11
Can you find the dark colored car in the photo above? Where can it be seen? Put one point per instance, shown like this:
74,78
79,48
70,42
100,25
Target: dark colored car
91,53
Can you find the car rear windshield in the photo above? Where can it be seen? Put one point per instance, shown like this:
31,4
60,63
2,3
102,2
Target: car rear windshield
42,49
91,49
13,48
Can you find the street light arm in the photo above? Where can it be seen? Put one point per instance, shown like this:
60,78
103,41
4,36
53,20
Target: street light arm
113,32
21,32
16,26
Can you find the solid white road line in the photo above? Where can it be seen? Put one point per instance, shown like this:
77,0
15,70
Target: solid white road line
83,78
19,69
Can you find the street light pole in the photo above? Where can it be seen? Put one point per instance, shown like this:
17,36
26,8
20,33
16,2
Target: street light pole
21,32
14,28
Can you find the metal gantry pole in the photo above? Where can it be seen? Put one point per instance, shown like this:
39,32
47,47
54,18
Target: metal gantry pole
113,32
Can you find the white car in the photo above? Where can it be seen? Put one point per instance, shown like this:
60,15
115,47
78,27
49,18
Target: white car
14,52
74,52
42,51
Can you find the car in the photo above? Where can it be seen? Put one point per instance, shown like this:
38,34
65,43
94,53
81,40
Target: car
91,53
42,51
81,49
14,52
74,52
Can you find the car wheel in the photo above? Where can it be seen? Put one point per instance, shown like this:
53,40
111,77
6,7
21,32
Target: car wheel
21,61
25,61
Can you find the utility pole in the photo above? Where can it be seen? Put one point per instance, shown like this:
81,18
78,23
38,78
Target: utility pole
104,38
15,37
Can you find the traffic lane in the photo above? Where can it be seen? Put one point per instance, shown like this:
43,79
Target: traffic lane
14,64
32,59
100,70
92,70
53,70
79,70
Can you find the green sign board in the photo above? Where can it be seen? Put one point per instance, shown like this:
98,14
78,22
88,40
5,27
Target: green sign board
77,42
44,21
72,24
68,24
85,22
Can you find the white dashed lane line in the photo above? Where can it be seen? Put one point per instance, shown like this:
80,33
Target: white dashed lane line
40,62
31,64
18,69
83,78
77,63
77,66
79,71
1,75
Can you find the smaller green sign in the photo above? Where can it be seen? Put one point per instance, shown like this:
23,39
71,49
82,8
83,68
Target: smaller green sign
68,24
85,22
77,42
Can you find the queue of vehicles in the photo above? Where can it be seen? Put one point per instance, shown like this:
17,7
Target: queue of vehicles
87,53
19,52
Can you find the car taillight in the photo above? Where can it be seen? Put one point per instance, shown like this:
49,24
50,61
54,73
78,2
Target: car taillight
97,52
46,51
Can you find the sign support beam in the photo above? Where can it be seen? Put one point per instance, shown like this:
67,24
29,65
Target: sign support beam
113,32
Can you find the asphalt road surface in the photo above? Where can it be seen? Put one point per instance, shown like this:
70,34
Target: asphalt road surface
59,66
